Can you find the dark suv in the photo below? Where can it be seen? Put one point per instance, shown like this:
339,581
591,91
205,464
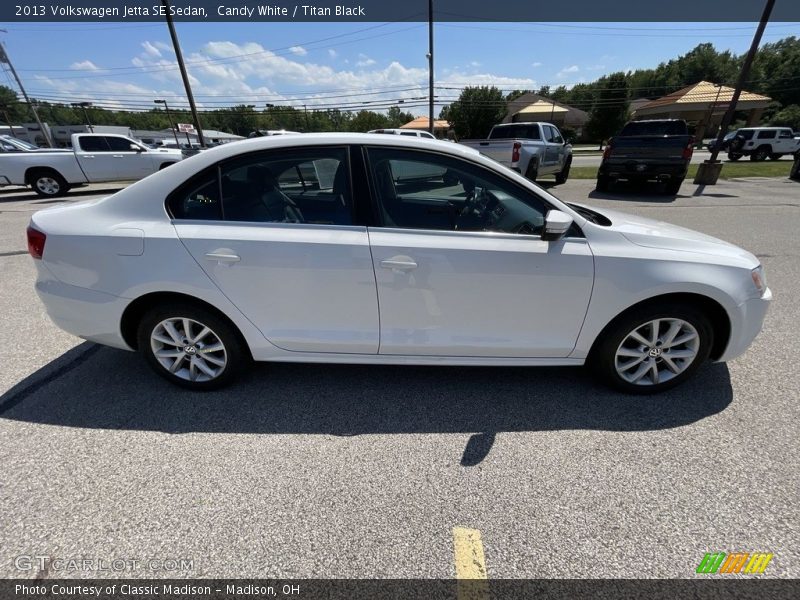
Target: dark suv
653,150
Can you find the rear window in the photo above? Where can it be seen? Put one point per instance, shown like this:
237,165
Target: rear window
525,132
659,128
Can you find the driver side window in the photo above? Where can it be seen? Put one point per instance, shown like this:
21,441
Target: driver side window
422,190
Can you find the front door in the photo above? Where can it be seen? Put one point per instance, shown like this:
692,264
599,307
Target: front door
282,247
461,267
96,159
131,164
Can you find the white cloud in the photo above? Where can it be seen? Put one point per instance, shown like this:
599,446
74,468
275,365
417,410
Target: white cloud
298,50
475,63
364,61
536,64
567,70
150,49
332,53
84,65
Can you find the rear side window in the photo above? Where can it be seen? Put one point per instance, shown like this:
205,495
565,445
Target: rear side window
766,135
93,143
526,132
198,199
288,186
655,128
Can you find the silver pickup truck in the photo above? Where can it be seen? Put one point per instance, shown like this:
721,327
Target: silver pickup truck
533,149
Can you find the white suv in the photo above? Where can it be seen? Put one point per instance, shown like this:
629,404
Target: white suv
760,143
407,132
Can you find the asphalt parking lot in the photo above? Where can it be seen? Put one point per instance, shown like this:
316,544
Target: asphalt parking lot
361,471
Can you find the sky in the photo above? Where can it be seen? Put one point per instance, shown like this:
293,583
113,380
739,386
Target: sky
344,65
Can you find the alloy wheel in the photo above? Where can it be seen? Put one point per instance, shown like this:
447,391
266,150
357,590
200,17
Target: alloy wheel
657,351
188,349
48,185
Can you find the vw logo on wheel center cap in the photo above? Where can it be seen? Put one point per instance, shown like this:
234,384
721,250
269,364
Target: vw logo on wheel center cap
655,352
190,350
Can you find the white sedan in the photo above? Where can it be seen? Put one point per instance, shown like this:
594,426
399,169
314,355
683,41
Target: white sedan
351,248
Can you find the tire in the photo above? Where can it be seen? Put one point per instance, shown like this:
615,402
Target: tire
603,183
533,171
774,156
48,183
562,176
673,186
616,338
157,332
734,156
760,154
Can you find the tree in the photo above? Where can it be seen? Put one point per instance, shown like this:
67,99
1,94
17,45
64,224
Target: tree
476,111
610,109
367,120
788,117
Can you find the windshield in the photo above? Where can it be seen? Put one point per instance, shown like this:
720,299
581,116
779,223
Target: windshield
527,132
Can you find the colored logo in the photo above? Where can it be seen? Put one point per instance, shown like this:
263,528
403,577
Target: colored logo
736,562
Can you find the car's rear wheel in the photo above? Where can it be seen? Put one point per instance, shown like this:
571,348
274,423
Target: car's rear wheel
603,183
760,154
653,349
191,346
734,156
775,156
673,186
48,183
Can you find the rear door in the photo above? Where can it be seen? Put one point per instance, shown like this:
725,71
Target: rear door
281,243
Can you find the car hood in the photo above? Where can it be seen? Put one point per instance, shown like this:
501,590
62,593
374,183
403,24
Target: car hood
651,233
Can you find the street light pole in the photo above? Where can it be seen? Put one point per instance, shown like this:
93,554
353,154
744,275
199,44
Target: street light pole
171,122
184,75
430,66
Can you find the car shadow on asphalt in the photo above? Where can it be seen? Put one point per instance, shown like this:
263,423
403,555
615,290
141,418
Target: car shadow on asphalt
32,197
101,388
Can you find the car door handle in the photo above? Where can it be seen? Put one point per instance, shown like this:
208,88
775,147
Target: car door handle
223,256
399,264
118,156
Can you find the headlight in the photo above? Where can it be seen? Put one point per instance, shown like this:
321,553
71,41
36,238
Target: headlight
759,279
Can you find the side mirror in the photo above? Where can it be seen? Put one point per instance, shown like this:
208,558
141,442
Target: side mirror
136,148
556,225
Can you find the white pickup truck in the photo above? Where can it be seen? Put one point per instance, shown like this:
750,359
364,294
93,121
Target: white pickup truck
94,158
533,149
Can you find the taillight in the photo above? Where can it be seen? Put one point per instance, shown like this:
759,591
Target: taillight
515,152
36,240
607,151
689,149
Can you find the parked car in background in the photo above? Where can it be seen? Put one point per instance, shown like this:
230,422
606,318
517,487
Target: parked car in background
334,248
650,150
271,132
8,143
406,132
94,158
761,143
725,142
532,149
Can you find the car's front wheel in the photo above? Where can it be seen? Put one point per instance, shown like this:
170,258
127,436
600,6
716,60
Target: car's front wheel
191,346
653,349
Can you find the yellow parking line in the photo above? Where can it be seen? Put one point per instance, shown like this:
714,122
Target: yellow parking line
470,564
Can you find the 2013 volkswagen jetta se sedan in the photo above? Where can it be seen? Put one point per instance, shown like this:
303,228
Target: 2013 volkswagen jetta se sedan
349,248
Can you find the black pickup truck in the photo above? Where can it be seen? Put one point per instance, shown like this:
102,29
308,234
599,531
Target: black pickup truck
654,150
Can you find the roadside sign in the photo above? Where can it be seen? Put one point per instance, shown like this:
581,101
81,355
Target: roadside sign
186,128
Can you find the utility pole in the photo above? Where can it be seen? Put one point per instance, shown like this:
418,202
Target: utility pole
4,59
430,66
84,106
4,110
708,172
184,75
171,122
